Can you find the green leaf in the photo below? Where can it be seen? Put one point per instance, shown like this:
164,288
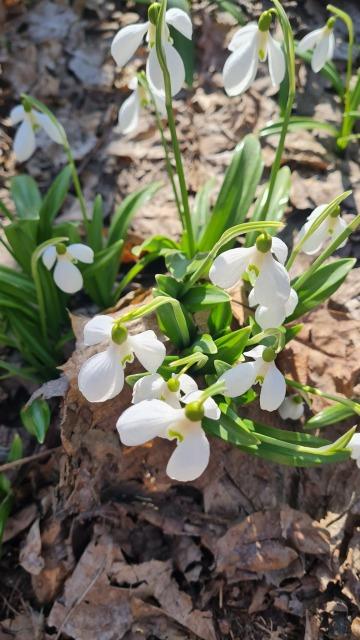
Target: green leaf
26,196
177,263
231,7
168,323
201,208
330,415
123,215
36,418
22,237
220,318
5,509
292,332
231,346
230,428
204,344
16,449
279,455
204,296
95,226
321,285
278,202
168,285
237,191
53,202
297,123
16,285
156,244
100,276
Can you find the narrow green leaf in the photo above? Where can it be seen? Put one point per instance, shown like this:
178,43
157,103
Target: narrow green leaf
297,123
278,203
53,201
95,226
22,237
330,415
204,296
123,215
36,418
16,449
26,196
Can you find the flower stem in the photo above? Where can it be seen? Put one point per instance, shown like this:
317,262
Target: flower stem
354,406
346,121
290,58
77,185
185,210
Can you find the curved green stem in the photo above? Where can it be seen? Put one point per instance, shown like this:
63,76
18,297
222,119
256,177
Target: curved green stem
290,59
77,185
185,213
345,129
354,406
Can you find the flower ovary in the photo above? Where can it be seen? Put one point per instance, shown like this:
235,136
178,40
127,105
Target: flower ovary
263,242
119,333
194,411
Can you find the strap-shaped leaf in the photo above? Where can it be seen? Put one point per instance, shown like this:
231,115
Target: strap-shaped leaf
26,196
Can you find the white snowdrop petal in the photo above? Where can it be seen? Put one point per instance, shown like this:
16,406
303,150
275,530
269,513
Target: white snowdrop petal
331,46
273,282
56,133
146,420
291,303
317,238
338,227
67,276
17,114
180,20
129,113
239,379
240,69
273,389
24,141
98,329
126,41
176,69
243,36
49,257
133,83
321,54
102,376
310,40
291,410
255,352
148,349
191,456
229,266
277,65
270,317
187,384
148,388
279,248
81,252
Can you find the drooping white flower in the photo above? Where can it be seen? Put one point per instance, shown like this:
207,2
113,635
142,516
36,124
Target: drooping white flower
272,316
322,41
129,112
329,229
270,279
171,391
292,408
354,445
249,45
243,376
66,275
31,120
129,38
102,376
151,418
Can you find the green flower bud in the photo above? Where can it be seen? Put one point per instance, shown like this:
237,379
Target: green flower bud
269,354
264,21
336,212
194,411
331,23
153,12
26,104
263,242
60,249
173,384
119,333
297,400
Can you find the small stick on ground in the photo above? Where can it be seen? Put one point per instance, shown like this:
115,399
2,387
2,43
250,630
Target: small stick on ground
36,456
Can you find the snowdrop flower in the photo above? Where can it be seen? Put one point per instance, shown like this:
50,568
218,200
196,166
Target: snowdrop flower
151,418
263,370
270,279
129,38
249,45
171,391
354,445
329,229
129,112
102,376
66,275
292,408
272,316
322,41
31,120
